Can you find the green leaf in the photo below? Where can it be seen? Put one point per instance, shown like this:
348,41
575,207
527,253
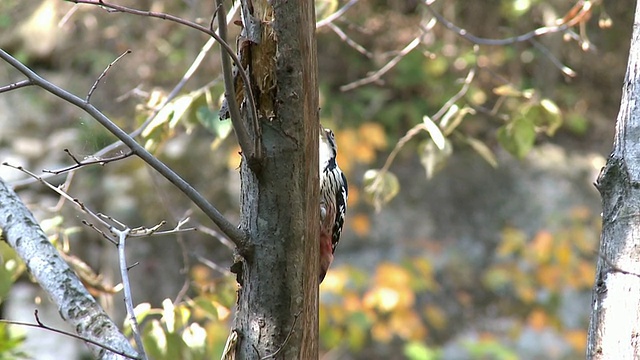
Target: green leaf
550,118
210,120
517,137
380,187
416,350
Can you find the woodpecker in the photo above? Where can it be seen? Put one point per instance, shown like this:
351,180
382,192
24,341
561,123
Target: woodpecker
333,199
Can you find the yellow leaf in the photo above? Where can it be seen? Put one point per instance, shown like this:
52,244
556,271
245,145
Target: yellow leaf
374,135
392,275
382,298
407,325
577,339
541,245
564,254
335,280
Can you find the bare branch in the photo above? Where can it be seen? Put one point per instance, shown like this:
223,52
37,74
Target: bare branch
564,25
128,297
554,60
225,46
237,236
328,20
174,92
22,233
359,48
17,85
80,163
378,74
104,73
40,325
415,130
252,150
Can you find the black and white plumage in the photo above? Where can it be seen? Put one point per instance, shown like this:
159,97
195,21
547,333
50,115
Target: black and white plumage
333,199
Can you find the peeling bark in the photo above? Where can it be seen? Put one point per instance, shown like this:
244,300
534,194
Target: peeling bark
278,298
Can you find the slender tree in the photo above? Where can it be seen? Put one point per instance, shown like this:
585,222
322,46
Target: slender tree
277,272
614,331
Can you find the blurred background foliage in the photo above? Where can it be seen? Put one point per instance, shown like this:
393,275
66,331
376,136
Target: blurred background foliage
472,224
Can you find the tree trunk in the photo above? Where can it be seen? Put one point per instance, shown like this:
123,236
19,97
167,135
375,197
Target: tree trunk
277,301
614,331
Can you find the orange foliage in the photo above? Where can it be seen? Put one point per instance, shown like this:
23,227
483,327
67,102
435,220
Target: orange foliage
360,224
538,319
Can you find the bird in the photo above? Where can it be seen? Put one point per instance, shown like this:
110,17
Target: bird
334,193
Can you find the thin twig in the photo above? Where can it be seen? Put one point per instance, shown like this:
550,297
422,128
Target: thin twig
16,85
128,297
93,161
213,266
40,325
220,237
248,149
331,18
415,130
104,73
463,90
578,18
341,34
554,60
225,46
96,216
174,92
378,74
236,235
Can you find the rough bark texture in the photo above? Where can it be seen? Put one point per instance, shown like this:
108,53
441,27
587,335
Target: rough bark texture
75,305
614,331
277,301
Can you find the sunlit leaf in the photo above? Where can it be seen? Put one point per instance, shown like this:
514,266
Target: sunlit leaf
325,8
483,150
380,187
434,131
546,116
454,121
168,315
416,350
507,90
433,158
517,137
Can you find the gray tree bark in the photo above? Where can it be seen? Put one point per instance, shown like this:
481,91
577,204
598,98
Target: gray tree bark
614,330
75,305
278,274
